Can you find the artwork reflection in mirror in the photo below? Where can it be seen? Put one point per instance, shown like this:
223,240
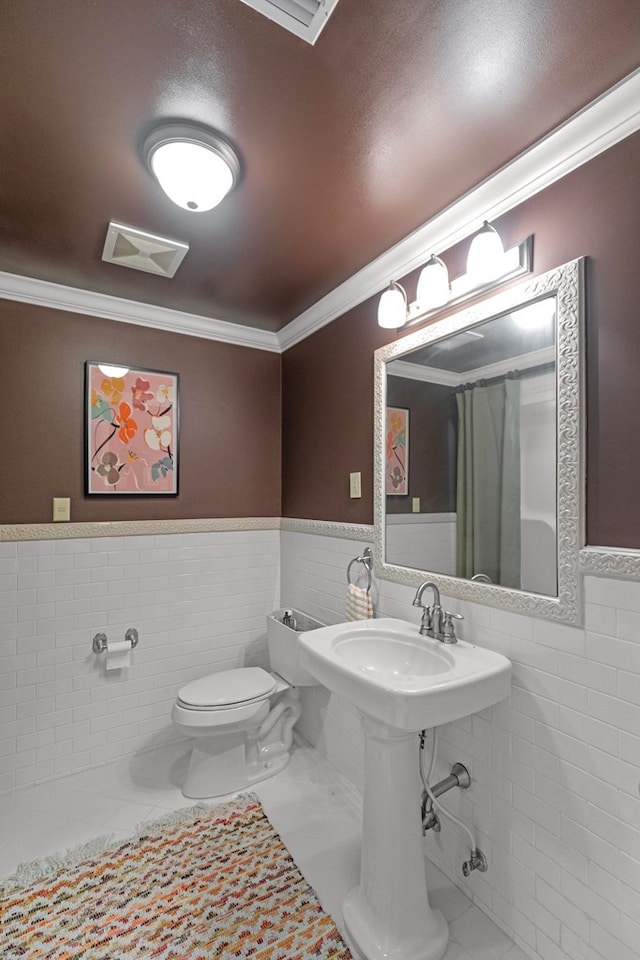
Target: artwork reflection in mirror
482,475
396,469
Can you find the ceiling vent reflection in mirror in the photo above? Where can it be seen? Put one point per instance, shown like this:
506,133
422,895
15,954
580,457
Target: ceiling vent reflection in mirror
305,18
139,250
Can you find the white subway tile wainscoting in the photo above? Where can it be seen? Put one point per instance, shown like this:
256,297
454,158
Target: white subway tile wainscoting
198,602
554,800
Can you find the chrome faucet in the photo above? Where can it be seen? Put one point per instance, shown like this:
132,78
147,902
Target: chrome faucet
436,622
431,625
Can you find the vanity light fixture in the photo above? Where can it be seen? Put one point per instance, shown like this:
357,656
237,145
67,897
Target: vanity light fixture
195,167
485,270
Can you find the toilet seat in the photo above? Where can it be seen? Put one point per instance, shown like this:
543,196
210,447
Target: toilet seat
226,690
239,701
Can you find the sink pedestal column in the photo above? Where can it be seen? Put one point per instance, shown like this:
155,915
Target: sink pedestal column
388,917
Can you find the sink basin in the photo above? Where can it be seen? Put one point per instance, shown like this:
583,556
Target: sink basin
391,673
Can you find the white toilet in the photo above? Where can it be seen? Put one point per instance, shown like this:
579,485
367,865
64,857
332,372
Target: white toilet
243,719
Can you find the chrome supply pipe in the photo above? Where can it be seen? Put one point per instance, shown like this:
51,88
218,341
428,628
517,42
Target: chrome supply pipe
459,777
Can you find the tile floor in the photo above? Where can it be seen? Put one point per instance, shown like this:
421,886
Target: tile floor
314,810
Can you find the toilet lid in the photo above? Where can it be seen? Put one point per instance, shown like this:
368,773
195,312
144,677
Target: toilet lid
230,686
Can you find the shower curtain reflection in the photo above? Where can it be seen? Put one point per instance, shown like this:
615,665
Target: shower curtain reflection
488,481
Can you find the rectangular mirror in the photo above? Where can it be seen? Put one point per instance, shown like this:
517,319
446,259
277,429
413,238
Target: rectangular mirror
488,401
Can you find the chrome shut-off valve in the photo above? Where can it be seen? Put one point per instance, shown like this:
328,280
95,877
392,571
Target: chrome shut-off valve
477,861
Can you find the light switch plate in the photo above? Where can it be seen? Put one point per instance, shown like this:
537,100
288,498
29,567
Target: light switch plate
355,485
61,509
415,504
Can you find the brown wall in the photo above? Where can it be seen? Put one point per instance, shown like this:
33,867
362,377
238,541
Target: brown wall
229,418
230,396
327,421
432,444
328,378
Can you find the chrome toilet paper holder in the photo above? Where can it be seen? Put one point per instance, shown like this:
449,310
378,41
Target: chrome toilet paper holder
100,640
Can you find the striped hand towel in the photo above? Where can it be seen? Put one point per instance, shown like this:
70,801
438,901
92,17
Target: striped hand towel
359,606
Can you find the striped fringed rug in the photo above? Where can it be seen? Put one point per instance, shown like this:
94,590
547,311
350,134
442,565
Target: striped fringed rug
209,882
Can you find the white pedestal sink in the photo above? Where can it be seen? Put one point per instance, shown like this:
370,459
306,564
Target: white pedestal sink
401,683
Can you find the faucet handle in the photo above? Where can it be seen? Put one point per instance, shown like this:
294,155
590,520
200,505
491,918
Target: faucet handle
426,624
448,627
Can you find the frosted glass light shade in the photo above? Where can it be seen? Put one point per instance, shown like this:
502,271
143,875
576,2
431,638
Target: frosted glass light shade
196,169
433,284
392,307
484,260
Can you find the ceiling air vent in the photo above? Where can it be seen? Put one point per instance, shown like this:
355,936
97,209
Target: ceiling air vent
305,18
133,248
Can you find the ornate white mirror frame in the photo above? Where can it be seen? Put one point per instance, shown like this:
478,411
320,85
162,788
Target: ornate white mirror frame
566,283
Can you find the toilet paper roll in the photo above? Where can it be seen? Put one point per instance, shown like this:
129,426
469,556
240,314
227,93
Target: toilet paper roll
118,654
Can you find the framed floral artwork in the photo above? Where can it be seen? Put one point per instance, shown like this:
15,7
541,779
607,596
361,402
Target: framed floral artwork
131,431
397,455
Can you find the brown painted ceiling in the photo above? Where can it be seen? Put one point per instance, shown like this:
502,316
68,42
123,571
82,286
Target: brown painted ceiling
347,146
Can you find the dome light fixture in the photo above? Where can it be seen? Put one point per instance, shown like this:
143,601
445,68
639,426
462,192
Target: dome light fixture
195,167
392,307
486,253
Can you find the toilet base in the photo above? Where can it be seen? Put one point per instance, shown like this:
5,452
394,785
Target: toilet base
219,766
229,773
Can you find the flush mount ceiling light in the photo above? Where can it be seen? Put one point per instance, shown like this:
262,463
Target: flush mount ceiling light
195,167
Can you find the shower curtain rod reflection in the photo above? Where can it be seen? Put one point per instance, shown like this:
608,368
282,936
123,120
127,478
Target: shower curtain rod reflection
510,375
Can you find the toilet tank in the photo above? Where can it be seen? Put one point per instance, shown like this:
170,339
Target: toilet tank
284,649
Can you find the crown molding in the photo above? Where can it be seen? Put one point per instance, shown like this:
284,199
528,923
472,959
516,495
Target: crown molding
415,371
525,361
56,296
598,126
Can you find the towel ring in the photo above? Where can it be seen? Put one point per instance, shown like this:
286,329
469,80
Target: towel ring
366,560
